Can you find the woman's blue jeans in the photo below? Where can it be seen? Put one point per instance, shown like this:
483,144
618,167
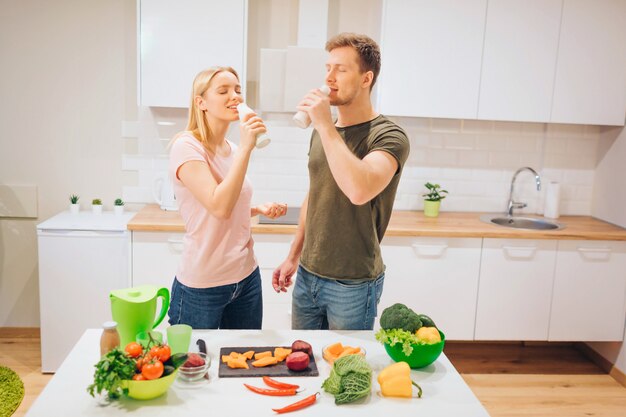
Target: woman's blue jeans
233,306
320,303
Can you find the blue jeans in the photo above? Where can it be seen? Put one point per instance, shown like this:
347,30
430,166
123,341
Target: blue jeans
233,306
321,303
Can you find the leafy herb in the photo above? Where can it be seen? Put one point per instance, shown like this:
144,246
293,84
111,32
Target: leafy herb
349,380
393,336
113,368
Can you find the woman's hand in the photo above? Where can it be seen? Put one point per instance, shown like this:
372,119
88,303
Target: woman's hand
251,126
272,210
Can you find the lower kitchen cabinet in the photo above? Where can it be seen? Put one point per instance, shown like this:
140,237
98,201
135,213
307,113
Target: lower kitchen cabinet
589,296
271,251
155,257
434,276
515,289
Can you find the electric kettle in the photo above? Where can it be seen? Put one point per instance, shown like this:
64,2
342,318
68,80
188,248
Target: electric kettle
163,193
134,310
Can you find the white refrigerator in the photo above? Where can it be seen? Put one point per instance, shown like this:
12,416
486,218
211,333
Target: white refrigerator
82,257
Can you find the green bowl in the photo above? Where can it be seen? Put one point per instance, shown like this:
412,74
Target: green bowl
147,390
422,355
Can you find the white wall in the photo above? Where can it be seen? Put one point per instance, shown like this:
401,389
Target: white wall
68,80
609,203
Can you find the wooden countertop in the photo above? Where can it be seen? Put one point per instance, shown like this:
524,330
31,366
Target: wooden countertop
414,223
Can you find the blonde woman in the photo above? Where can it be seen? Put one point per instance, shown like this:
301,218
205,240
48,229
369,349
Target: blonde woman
218,284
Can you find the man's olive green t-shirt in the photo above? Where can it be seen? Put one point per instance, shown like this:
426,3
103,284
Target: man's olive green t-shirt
342,240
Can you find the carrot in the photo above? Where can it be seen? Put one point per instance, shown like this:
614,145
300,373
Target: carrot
265,361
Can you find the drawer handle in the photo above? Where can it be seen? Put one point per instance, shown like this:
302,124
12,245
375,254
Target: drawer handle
520,252
175,244
429,251
595,254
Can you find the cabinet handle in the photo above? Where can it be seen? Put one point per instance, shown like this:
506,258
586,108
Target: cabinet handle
175,244
429,251
595,254
520,252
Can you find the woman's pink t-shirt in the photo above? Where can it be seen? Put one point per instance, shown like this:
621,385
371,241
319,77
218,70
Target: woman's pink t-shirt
215,251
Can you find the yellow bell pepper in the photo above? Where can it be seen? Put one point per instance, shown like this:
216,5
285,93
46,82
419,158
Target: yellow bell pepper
395,381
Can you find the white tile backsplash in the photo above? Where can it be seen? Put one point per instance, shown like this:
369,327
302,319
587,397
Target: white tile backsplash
473,159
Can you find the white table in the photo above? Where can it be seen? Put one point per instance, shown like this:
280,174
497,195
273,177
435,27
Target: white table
445,392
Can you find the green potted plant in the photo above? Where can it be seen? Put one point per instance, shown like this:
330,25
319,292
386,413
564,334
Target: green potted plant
118,206
432,199
96,206
74,205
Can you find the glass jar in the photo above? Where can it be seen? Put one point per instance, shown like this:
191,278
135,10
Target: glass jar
110,338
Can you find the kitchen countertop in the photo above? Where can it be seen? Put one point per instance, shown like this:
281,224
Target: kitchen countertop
414,223
445,392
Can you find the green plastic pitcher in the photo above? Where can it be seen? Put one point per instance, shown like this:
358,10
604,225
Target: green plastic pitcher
134,310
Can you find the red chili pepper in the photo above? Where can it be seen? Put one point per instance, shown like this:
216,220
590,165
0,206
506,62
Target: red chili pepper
275,392
277,384
310,400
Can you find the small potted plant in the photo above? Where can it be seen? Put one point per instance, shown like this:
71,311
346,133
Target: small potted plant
96,206
118,206
432,199
74,205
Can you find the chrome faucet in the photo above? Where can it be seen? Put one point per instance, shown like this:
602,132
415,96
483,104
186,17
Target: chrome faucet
515,204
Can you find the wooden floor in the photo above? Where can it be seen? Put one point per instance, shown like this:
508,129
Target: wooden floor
510,379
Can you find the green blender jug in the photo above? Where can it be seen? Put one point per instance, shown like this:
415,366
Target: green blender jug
134,310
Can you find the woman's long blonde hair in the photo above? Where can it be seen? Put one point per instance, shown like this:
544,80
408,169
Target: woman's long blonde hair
197,123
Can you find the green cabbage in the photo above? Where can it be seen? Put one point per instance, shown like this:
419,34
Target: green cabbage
349,380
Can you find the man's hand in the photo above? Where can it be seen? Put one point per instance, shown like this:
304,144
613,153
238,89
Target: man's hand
317,105
281,278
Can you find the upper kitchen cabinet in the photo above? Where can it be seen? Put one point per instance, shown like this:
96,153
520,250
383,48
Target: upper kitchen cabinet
179,39
431,57
519,60
590,84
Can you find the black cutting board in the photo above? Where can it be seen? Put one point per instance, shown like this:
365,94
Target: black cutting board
280,369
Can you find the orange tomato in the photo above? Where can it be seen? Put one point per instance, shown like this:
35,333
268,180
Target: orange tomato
161,352
133,349
138,377
152,370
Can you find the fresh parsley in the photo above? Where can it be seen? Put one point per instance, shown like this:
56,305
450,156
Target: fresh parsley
113,368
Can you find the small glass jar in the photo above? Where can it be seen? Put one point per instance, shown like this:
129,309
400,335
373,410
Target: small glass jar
110,338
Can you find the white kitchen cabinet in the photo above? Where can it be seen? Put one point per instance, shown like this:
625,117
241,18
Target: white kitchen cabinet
271,251
179,39
590,83
515,289
434,276
589,291
519,60
156,256
431,58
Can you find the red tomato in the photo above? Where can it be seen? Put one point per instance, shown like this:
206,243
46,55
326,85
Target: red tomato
139,377
133,349
161,352
152,370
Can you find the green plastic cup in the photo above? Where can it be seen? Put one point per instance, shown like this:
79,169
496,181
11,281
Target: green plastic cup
143,338
179,337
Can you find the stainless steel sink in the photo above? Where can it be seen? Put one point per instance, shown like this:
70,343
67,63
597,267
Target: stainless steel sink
521,222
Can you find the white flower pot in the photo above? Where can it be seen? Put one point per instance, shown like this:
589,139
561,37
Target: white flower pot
74,208
97,209
118,210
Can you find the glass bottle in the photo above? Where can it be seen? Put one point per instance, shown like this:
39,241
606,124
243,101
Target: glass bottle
110,338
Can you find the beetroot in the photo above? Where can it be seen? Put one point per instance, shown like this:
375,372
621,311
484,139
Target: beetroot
297,361
193,360
302,346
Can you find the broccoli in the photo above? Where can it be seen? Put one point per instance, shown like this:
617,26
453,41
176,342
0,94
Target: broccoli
399,316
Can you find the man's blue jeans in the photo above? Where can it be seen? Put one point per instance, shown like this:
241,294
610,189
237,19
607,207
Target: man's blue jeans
320,303
233,306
